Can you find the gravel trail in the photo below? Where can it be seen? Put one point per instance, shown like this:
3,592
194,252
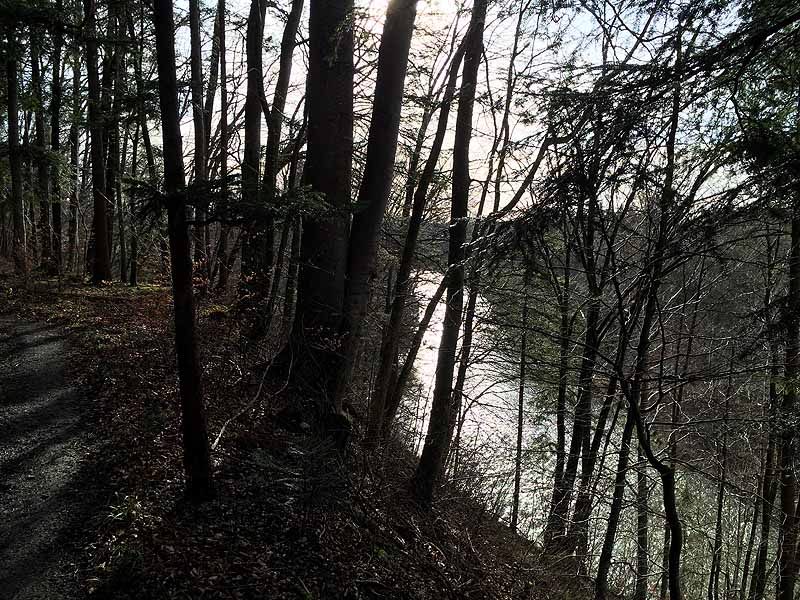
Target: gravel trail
49,490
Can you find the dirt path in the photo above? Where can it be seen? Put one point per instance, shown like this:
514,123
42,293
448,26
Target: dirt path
48,482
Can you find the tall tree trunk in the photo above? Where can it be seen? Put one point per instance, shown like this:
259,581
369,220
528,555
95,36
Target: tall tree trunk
328,172
123,250
769,486
31,247
373,195
556,529
788,564
291,277
578,535
758,580
751,538
55,134
111,93
464,359
197,461
381,403
14,154
222,283
74,142
101,256
442,416
251,283
42,162
520,408
716,557
214,72
397,391
200,144
632,390
642,531
265,241
607,551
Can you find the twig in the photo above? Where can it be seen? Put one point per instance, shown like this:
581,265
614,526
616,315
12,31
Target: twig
253,401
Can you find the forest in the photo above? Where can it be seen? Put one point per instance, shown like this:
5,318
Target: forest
406,299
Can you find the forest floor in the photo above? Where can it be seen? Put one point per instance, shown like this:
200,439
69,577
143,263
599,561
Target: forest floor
293,518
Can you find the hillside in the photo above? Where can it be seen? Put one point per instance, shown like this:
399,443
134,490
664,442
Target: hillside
293,517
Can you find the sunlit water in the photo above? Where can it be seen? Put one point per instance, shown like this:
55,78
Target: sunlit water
489,413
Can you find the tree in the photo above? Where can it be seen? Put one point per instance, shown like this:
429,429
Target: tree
442,420
196,453
373,195
101,254
252,248
385,400
328,173
14,157
55,134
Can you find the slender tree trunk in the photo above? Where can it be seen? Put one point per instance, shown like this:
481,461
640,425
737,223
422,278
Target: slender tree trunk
607,551
642,531
769,483
198,118
373,195
123,250
110,101
556,529
751,539
716,557
578,535
197,462
442,415
213,81
404,375
101,256
55,133
272,160
42,162
520,409
758,580
788,564
291,278
382,402
74,142
14,154
251,283
466,353
31,247
222,283
564,335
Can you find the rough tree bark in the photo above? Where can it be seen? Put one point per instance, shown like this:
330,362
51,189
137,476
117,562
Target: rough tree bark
373,195
197,461
328,172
